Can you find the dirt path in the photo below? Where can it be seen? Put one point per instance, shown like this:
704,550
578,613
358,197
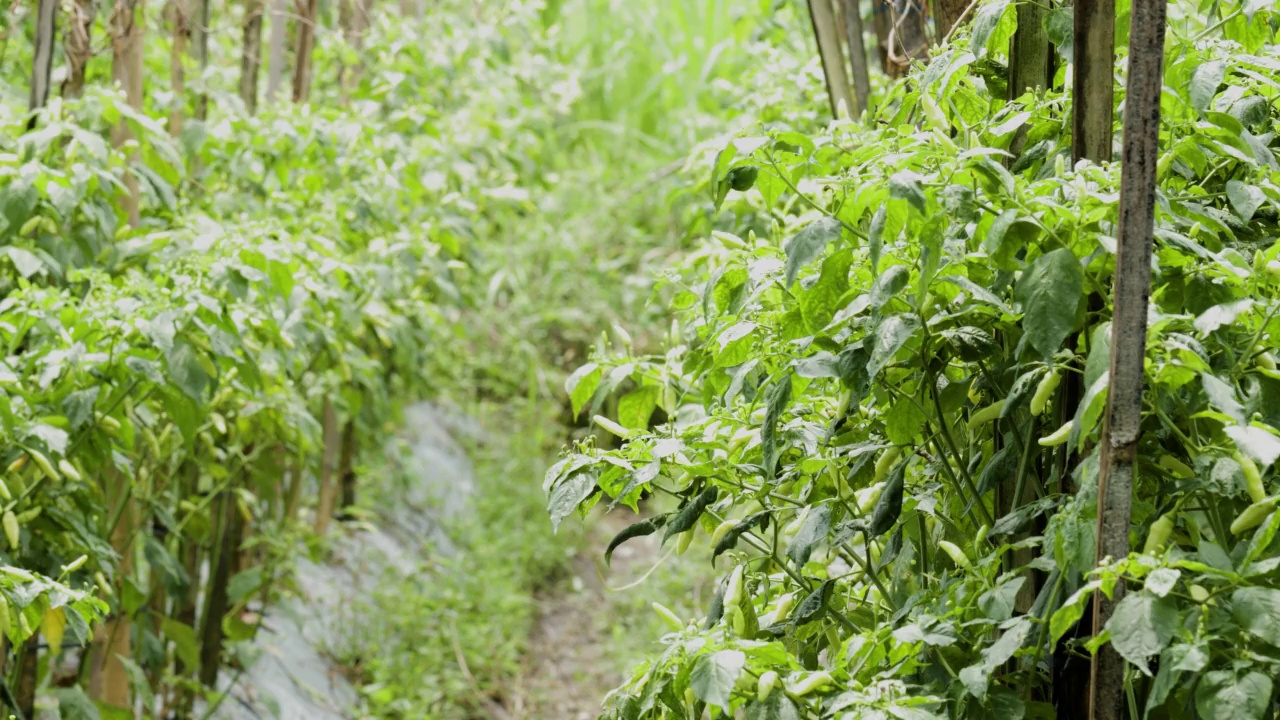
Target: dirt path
572,663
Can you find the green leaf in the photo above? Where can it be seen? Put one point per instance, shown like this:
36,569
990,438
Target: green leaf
640,529
777,707
1245,199
187,372
892,333
1050,293
26,262
184,641
581,385
819,303
735,344
902,422
730,539
812,607
713,676
1222,397
1204,83
243,583
875,237
1059,26
1223,695
984,24
889,505
812,533
1255,442
976,677
690,513
908,185
888,284
568,493
779,397
1065,617
1141,626
998,602
73,704
808,244
636,407
1257,609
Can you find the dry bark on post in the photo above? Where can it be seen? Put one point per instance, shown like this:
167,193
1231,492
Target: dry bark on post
76,41
200,46
907,40
226,547
42,60
275,48
1092,94
306,43
180,16
126,70
827,35
857,53
946,14
347,465
1031,55
1132,288
880,14
353,18
251,54
112,641
328,467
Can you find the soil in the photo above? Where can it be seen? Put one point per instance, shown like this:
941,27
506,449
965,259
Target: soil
570,668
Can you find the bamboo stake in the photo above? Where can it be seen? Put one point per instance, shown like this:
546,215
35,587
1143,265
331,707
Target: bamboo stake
251,54
1132,289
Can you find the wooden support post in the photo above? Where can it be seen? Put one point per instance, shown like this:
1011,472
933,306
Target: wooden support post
77,42
1122,426
42,57
1092,95
251,54
857,54
306,43
827,34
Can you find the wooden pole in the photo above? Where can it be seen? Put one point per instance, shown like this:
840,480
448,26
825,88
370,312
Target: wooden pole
77,42
306,43
1092,94
946,13
275,50
251,54
1132,289
42,60
853,31
328,469
126,70
180,13
827,34
1031,55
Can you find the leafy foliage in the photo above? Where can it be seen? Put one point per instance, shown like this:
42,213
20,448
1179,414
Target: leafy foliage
859,356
